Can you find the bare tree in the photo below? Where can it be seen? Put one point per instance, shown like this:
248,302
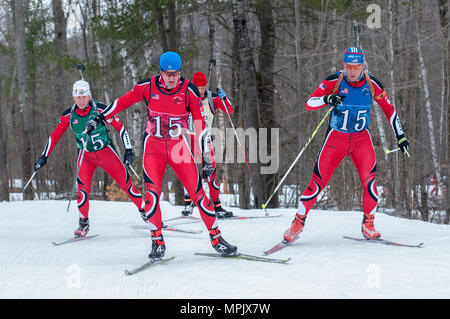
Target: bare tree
24,106
444,5
424,81
247,75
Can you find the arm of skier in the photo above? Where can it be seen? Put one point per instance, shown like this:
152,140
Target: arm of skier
120,128
138,93
319,97
53,139
222,102
388,108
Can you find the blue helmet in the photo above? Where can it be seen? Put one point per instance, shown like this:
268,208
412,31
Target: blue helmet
353,55
170,61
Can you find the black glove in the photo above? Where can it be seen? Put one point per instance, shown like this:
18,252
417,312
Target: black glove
334,99
128,157
41,161
403,144
92,124
207,170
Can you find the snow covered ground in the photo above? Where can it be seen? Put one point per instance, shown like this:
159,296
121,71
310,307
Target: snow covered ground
323,264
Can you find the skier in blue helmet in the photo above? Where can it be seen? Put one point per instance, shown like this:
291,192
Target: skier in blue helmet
350,92
170,61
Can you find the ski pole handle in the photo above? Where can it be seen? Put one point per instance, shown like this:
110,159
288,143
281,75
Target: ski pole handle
392,151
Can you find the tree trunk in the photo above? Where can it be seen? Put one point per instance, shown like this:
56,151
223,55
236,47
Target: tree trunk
298,88
24,106
266,90
4,189
444,22
423,78
60,43
250,91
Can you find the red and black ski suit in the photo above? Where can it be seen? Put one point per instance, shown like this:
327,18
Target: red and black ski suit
165,143
348,134
211,104
106,158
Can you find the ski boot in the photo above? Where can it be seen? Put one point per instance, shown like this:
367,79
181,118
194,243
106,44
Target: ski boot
143,216
220,211
367,228
83,229
158,245
188,209
296,228
188,206
220,244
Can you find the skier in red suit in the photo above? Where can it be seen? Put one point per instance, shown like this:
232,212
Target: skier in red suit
99,151
211,103
351,93
170,98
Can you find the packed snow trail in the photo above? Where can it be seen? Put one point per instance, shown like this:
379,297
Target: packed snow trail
323,264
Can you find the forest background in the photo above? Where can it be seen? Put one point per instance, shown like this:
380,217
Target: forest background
267,55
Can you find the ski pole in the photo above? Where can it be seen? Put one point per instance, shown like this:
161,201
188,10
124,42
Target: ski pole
298,156
245,158
81,68
134,172
78,170
29,181
212,64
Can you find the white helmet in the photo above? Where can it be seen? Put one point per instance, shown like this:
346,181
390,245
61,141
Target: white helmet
81,88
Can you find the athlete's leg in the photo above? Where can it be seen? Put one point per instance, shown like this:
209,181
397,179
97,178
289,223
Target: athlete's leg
363,156
154,164
182,163
333,151
212,182
84,179
110,161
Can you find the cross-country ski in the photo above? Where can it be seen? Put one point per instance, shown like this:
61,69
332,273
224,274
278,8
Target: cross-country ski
385,242
147,265
172,228
246,257
73,240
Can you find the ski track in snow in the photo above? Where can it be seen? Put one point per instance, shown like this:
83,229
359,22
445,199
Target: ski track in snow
322,265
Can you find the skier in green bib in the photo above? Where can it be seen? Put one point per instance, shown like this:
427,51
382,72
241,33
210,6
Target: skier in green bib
99,151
